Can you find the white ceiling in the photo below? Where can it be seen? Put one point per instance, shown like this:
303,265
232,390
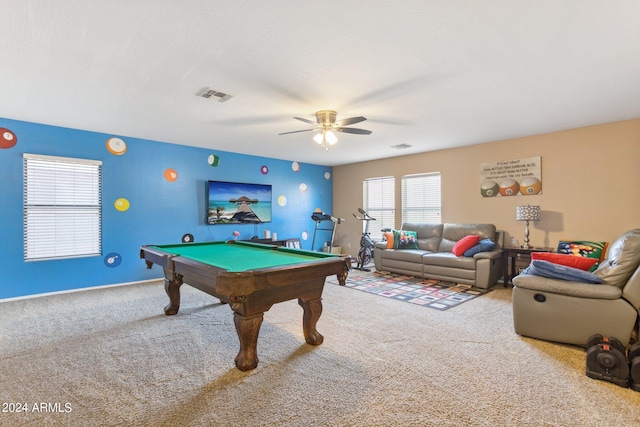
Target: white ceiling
429,73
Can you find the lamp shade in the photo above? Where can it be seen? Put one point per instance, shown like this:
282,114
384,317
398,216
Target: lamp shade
528,213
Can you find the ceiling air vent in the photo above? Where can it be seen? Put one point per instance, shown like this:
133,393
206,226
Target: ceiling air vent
401,146
214,95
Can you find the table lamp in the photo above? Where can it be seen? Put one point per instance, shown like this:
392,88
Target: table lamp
527,213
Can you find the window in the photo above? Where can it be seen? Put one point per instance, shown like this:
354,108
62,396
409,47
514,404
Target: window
378,196
62,207
421,198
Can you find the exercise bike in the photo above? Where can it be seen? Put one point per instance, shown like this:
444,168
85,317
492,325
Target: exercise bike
365,253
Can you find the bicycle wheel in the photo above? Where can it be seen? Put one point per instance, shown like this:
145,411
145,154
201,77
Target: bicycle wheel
364,256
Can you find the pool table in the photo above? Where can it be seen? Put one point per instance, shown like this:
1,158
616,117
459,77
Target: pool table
250,277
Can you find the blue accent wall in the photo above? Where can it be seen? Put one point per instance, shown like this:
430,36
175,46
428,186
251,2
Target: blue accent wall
160,210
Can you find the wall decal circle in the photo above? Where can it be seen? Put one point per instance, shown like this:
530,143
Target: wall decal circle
170,174
112,259
303,188
8,139
187,238
327,176
304,235
121,204
264,170
213,160
116,146
295,166
282,201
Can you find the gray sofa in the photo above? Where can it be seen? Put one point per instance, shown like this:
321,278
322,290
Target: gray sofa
434,260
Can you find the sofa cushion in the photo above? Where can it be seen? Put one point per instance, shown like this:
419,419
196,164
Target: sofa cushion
405,239
448,259
464,244
557,271
583,248
582,263
409,255
623,260
482,246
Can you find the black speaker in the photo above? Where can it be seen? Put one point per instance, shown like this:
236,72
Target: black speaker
606,360
634,366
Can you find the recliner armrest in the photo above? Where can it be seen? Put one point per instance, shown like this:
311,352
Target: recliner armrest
565,287
494,254
381,245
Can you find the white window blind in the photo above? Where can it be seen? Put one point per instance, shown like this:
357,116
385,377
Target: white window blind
62,207
378,195
421,198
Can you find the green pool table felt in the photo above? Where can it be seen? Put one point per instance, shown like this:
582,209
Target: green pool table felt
242,256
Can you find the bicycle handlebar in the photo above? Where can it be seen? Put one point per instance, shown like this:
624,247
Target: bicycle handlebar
366,216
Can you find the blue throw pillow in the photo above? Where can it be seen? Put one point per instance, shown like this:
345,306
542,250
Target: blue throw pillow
482,246
562,272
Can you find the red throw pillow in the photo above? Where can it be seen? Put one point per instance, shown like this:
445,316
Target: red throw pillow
575,261
464,244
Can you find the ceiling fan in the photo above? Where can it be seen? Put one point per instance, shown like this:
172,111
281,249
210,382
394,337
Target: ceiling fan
326,125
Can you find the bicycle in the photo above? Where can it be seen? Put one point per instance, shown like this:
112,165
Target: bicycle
365,253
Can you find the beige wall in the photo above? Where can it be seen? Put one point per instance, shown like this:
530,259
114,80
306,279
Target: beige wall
590,178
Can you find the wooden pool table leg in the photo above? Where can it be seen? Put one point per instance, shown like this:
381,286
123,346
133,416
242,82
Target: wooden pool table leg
342,277
312,311
172,288
248,329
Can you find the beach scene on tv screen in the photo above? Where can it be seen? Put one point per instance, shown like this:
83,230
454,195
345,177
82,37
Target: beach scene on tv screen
238,203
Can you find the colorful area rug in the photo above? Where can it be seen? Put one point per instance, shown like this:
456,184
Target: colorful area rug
416,290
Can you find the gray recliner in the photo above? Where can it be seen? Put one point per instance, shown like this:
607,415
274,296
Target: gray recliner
571,312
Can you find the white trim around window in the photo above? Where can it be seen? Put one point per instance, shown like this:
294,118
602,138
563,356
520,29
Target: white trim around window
62,207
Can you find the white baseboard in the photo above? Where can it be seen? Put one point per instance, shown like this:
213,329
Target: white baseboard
68,291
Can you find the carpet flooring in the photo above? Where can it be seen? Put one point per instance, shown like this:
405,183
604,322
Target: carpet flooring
415,290
110,357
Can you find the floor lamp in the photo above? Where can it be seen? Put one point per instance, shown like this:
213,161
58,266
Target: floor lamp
527,213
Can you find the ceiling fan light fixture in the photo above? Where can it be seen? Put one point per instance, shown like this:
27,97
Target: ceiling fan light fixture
330,137
327,126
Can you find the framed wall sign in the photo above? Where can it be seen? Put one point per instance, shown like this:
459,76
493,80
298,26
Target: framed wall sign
521,177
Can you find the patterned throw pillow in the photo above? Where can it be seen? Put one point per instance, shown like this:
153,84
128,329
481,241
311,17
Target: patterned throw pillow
584,248
403,239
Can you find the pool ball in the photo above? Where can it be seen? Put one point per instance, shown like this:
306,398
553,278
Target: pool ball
530,186
116,146
7,138
170,174
508,187
489,189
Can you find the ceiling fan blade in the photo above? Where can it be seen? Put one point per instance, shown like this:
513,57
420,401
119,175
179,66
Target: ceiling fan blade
311,122
354,130
296,131
350,121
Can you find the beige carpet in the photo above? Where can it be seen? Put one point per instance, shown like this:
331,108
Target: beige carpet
111,357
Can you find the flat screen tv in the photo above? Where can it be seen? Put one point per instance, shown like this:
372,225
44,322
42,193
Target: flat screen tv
238,203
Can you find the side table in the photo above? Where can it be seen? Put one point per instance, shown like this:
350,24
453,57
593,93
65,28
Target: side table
510,254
